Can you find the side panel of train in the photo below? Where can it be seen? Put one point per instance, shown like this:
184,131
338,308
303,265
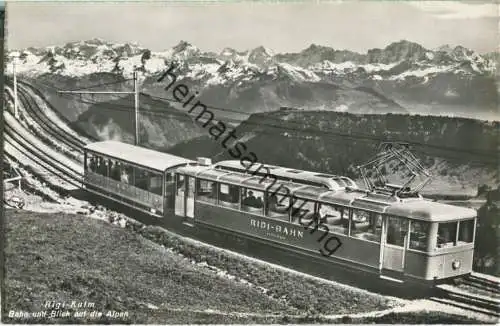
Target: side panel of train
411,249
315,241
134,196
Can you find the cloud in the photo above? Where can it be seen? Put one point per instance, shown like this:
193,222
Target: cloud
457,10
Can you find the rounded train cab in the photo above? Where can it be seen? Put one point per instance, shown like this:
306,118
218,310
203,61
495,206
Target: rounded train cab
441,241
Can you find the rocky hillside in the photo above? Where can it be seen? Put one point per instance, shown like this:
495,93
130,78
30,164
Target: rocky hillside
160,124
402,77
460,153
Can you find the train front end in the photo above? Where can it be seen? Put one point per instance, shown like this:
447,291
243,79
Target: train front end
443,247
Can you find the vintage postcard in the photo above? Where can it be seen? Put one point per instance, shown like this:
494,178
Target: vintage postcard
250,162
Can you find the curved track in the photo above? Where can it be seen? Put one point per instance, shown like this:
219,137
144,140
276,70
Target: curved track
49,126
66,172
75,129
61,175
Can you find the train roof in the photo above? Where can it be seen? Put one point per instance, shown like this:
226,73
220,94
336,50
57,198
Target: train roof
414,208
430,210
329,180
137,155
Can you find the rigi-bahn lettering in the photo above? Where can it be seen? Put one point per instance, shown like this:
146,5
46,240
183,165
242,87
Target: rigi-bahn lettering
277,230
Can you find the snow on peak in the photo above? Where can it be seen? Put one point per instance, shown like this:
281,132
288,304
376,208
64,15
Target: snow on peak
261,56
185,48
295,73
227,52
263,51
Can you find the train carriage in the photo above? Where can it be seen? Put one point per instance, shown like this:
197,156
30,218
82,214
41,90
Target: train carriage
400,239
137,177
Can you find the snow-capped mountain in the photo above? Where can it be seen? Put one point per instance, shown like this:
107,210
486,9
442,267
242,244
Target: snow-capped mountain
86,57
403,71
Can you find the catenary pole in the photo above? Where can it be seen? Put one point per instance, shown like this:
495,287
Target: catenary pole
136,108
16,113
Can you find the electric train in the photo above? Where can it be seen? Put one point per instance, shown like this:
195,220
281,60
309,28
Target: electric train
317,217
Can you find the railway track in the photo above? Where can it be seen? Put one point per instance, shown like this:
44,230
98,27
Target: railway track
46,124
75,129
475,293
57,179
67,172
30,124
46,162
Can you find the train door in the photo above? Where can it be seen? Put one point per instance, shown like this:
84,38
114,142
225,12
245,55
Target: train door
180,194
169,196
190,197
395,243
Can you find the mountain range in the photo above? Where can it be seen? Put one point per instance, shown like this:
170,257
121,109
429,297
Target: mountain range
403,77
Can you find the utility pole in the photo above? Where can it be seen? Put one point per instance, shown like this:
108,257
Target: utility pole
136,102
16,113
136,108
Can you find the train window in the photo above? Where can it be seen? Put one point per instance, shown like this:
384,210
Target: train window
181,185
91,162
141,178
110,163
229,195
105,167
419,231
169,189
191,184
102,168
115,170
302,211
447,234
397,228
206,191
366,225
252,201
122,173
155,183
169,177
465,231
335,217
277,206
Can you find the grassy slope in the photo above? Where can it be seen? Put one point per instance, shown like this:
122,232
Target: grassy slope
70,257
63,257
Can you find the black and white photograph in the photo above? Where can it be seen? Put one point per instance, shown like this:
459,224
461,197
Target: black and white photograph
250,162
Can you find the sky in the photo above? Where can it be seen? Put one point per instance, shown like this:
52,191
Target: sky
279,26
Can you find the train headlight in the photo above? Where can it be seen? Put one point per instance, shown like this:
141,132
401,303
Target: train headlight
455,264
